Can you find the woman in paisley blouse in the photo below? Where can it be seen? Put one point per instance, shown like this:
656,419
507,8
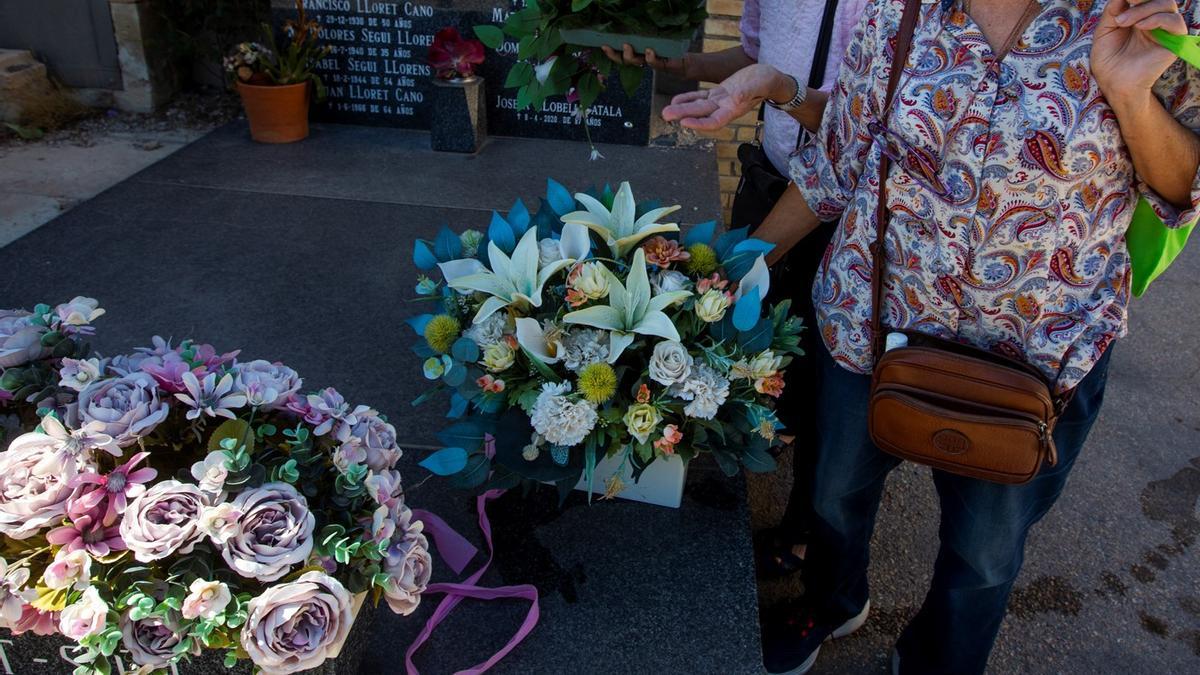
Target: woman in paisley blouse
1023,131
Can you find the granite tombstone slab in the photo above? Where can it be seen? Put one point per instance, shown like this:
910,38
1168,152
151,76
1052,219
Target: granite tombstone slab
378,74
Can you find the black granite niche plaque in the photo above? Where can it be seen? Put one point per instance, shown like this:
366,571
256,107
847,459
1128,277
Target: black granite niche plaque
377,72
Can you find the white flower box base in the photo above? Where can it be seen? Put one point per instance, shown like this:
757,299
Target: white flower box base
661,483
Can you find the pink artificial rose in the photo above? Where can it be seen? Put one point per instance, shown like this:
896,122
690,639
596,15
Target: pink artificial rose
35,483
297,626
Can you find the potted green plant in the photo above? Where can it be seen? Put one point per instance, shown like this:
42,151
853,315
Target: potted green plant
276,84
558,41
459,120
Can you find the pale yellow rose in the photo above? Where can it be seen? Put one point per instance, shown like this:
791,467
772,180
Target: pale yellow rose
642,420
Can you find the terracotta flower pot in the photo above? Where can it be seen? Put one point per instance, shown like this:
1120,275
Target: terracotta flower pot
277,113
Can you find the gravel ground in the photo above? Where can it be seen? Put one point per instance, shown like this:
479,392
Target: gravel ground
190,111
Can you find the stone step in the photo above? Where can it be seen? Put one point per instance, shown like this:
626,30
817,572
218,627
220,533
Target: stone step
21,76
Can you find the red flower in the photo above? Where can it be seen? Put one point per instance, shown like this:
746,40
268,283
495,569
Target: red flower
451,56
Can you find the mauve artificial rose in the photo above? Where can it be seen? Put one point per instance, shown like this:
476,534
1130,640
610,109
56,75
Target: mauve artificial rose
273,533
407,563
298,625
20,340
35,476
88,616
129,407
378,440
163,519
151,641
267,385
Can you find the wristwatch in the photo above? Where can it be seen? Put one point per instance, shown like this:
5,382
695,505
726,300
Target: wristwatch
794,102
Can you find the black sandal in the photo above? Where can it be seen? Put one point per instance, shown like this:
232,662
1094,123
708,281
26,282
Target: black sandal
774,554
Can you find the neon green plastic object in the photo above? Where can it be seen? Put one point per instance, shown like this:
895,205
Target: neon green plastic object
1152,245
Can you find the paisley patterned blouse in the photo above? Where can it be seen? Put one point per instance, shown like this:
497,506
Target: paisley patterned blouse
1011,194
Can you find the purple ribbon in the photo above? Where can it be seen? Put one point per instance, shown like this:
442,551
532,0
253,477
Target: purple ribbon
457,552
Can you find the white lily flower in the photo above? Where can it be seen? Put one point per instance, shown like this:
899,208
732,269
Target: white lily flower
619,228
510,281
632,310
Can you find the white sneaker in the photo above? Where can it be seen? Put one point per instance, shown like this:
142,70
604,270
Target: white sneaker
841,631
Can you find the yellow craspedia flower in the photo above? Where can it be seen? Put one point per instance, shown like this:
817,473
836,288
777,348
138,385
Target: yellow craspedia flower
441,332
703,261
598,382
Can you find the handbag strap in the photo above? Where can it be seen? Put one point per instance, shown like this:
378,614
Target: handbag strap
816,74
900,49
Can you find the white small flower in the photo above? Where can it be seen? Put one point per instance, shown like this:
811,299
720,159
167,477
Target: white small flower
211,472
219,522
205,599
77,374
595,155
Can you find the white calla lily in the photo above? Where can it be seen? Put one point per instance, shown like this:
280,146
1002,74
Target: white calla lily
758,277
632,310
534,339
512,281
619,227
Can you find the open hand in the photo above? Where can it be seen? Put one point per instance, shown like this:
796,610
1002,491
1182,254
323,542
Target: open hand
711,109
1126,59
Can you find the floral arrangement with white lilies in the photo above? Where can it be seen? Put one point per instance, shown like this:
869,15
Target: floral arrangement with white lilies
187,501
595,329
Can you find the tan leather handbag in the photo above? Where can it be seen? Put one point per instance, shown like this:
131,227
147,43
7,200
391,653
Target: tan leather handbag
947,405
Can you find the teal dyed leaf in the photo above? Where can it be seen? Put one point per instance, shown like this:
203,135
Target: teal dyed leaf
447,247
467,434
501,233
758,338
748,310
418,323
559,197
445,462
466,351
423,256
701,233
455,375
518,218
458,406
727,241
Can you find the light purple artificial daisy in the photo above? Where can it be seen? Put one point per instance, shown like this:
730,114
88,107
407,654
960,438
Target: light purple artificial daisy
113,489
210,396
89,534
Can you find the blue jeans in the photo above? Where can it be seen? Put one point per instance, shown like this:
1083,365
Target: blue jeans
983,526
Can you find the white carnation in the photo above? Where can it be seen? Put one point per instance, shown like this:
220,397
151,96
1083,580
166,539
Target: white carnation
706,391
490,331
581,348
549,252
560,420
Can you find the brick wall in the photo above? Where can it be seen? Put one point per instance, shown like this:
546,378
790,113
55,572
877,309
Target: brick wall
721,32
